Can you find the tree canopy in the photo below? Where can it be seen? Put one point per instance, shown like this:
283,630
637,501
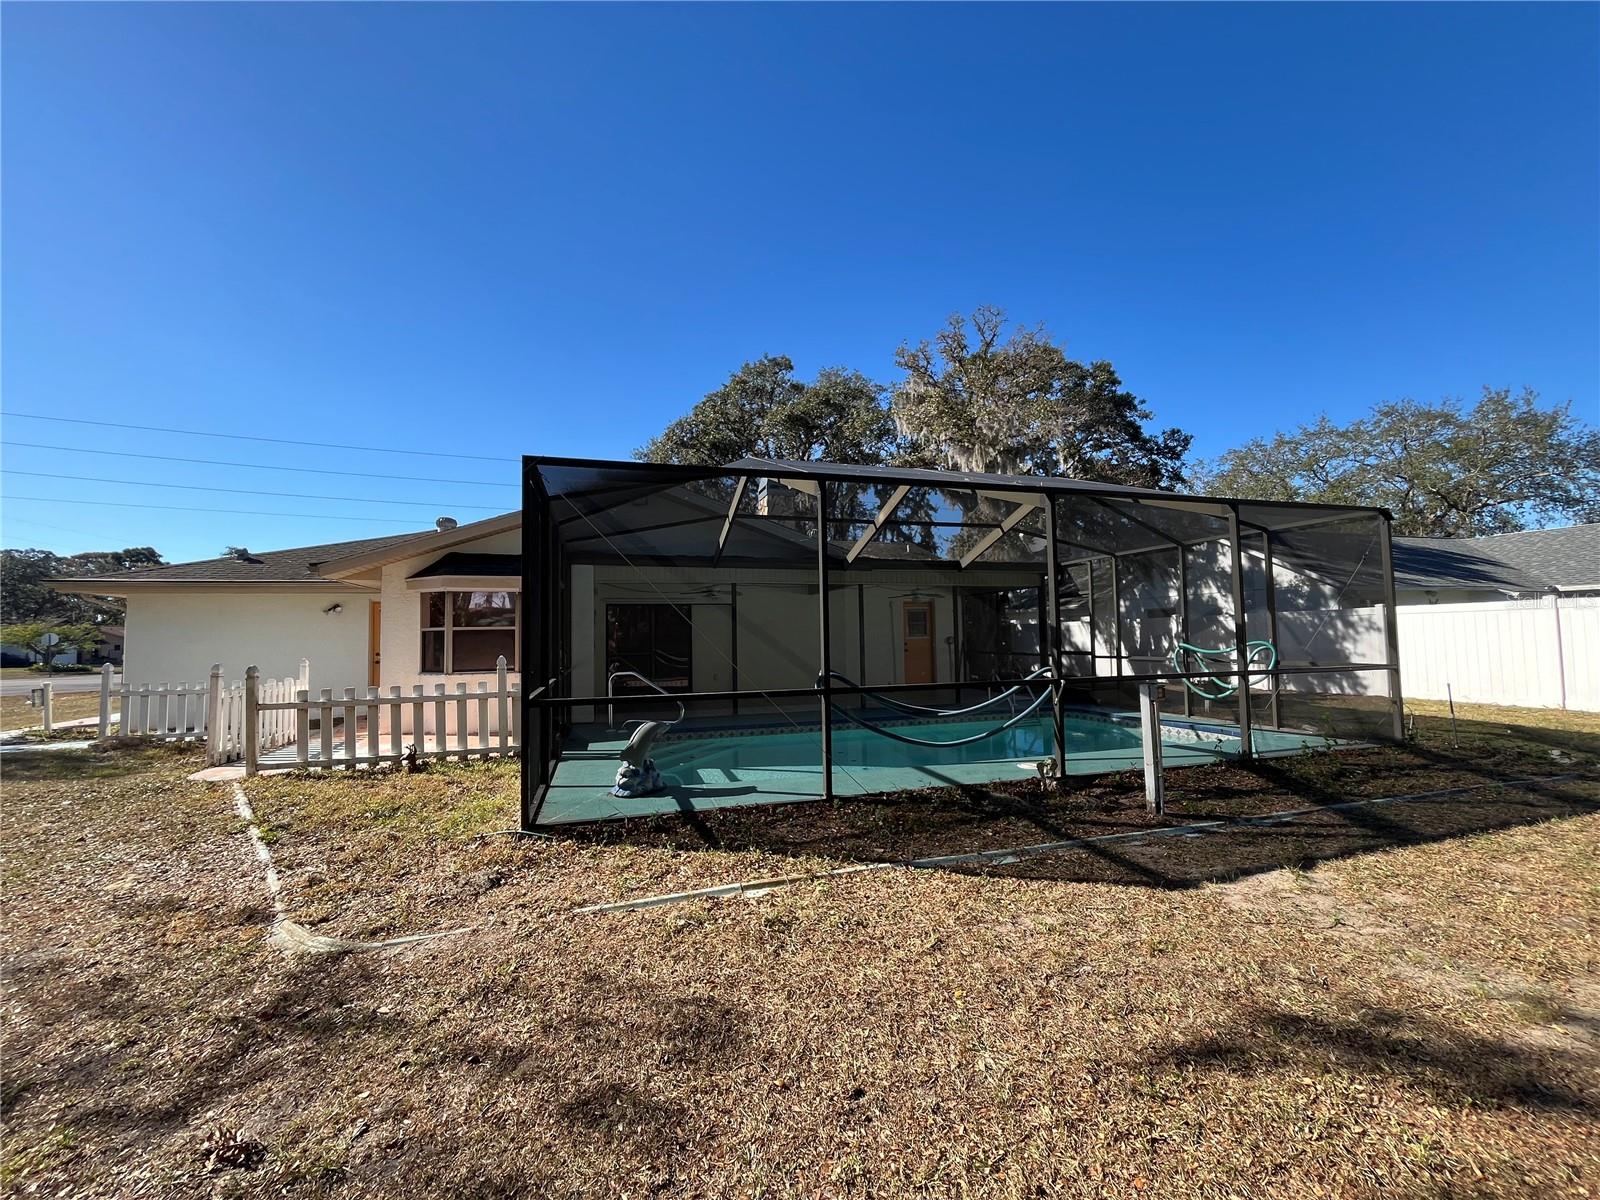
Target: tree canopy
976,400
25,597
969,401
1443,470
49,639
764,411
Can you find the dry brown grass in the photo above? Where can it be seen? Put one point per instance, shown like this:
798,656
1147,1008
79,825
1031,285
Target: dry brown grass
15,712
1438,714
1414,1020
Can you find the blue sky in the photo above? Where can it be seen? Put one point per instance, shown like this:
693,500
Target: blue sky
497,229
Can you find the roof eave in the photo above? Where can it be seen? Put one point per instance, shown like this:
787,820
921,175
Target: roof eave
126,587
423,543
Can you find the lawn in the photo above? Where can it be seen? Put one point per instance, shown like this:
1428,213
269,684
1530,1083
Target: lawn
1391,1001
15,712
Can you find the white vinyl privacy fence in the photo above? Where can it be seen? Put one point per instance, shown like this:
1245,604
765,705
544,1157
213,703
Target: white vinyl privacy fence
1542,653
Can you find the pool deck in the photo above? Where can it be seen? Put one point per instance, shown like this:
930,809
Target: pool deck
581,787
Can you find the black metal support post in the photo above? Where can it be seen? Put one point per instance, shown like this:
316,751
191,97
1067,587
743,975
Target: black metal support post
535,639
861,640
824,656
1094,632
733,640
1391,631
1241,652
1116,614
1053,630
1272,623
1183,623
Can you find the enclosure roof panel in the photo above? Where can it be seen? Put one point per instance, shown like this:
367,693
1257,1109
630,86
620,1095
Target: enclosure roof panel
843,472
607,480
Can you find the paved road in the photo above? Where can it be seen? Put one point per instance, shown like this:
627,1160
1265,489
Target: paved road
60,684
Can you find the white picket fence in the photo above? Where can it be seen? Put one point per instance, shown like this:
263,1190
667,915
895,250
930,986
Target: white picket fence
231,719
1539,653
256,720
355,730
213,711
170,712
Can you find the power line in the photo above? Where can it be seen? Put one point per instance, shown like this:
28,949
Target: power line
195,487
218,462
245,437
237,512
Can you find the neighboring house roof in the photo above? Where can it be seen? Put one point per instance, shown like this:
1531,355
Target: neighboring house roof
1535,560
1564,558
296,566
1440,563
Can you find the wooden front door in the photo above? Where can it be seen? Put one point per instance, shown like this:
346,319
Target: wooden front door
374,641
916,618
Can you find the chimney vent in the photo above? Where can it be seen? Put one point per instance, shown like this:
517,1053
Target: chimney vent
445,523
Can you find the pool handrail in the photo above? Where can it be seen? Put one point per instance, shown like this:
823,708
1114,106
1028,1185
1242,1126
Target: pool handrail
611,680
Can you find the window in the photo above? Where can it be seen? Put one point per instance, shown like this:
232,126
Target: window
651,639
466,632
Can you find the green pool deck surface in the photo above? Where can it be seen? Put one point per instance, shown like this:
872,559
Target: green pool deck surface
723,764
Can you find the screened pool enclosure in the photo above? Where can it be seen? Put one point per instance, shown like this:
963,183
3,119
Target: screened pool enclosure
782,631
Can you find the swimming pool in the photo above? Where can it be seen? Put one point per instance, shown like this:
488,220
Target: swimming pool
718,765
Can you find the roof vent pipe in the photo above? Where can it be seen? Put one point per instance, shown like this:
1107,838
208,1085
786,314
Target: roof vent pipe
445,523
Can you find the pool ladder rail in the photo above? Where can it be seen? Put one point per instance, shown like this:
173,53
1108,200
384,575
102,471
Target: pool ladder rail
611,684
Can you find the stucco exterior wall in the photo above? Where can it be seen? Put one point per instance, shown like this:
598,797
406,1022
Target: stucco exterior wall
401,626
175,636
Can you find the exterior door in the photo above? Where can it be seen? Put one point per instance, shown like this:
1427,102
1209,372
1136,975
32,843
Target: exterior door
916,618
374,641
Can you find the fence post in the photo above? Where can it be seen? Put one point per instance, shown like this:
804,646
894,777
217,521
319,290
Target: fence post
46,704
215,733
325,728
214,705
302,728
105,701
305,675
1150,735
252,730
502,716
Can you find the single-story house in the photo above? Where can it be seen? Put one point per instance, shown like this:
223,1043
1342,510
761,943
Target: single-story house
434,606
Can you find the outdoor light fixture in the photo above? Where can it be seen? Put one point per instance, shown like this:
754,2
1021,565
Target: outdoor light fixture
335,607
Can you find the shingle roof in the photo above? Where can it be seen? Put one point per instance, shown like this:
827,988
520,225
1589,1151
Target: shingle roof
1531,561
1566,558
1454,563
296,565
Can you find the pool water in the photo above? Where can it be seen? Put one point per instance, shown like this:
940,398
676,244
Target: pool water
855,747
717,767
